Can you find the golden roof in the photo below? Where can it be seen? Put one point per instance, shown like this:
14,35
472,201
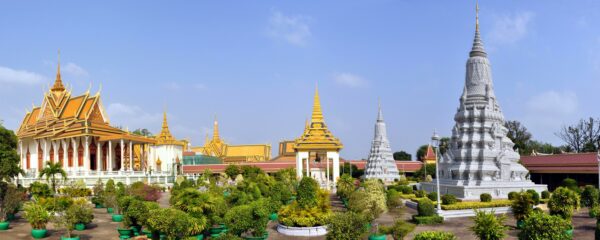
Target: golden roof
316,136
165,137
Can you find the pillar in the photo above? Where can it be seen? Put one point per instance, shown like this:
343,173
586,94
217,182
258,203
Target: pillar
130,156
65,155
122,155
99,157
21,157
46,154
75,143
110,157
327,175
86,155
300,157
335,157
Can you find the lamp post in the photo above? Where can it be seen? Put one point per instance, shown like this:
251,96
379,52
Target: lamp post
435,141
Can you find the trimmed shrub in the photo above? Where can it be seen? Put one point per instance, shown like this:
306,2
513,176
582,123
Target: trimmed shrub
251,219
485,197
394,199
594,211
489,227
571,184
433,235
399,230
448,199
535,196
307,192
522,205
432,196
369,200
563,202
425,208
420,193
545,194
589,196
512,195
541,226
346,225
435,219
475,205
175,224
405,189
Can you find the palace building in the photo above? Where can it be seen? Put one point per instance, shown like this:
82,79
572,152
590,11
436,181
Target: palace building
75,131
217,147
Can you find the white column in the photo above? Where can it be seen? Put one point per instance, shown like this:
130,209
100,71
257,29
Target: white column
21,157
327,175
98,157
109,162
130,156
46,154
65,160
335,156
86,155
75,143
122,155
300,156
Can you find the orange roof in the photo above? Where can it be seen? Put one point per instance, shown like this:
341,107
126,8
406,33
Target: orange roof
87,107
72,106
430,155
33,116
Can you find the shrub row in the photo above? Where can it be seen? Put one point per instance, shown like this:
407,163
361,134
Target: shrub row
433,235
474,205
435,219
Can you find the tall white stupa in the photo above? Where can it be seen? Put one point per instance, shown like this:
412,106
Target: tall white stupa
381,164
480,157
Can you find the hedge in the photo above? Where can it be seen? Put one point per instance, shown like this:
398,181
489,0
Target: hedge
474,205
407,196
435,219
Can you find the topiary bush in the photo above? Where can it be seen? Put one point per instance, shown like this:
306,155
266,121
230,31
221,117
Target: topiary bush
535,196
40,190
512,195
563,203
571,184
522,205
432,196
427,220
448,199
394,199
36,215
434,235
589,196
346,225
489,227
541,226
405,189
307,192
425,208
545,194
248,219
174,224
485,197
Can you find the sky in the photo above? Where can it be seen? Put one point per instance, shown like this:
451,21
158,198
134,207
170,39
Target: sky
254,65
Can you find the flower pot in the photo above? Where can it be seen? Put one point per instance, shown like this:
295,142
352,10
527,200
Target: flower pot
217,229
10,216
117,218
377,237
4,225
570,232
273,216
98,205
136,230
520,224
125,231
80,226
38,233
110,210
69,238
226,194
263,237
147,233
200,236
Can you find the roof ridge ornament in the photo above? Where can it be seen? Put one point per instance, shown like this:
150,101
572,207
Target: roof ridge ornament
58,84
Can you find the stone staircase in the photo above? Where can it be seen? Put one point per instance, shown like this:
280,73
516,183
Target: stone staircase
336,203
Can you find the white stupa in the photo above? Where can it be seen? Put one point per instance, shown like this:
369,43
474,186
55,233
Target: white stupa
381,164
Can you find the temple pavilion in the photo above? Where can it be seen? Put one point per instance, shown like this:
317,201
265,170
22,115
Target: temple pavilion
75,131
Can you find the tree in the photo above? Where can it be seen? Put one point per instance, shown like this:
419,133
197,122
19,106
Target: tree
444,145
352,170
50,171
232,171
427,169
142,132
519,135
583,136
402,156
421,152
370,200
9,159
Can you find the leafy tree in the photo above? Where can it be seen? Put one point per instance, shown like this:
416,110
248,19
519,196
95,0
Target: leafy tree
232,171
251,219
251,171
50,171
563,202
583,136
519,135
9,159
370,200
142,132
307,192
346,226
351,169
175,224
522,205
428,169
541,226
402,156
489,227
345,186
421,152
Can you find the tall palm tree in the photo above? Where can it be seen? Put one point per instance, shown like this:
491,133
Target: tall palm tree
50,171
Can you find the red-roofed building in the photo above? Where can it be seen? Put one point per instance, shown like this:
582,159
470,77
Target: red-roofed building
552,169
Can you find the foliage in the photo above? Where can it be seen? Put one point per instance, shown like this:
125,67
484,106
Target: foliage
435,219
433,235
294,216
75,191
449,199
78,212
597,231
121,189
232,170
280,193
251,171
545,194
36,215
226,236
123,204
420,193
512,195
485,197
421,151
50,171
137,212
570,184
594,211
200,204
110,186
402,156
307,191
144,191
476,205
56,204
590,196
369,200
345,186
563,203
9,158
394,199
432,196
583,136
142,132
489,227
428,169
535,196
11,198
346,226
425,208
250,219
519,135
399,230
352,170
522,205
541,226
175,224
40,190
98,191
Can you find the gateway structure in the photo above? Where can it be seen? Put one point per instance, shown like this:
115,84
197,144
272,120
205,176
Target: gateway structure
480,158
75,132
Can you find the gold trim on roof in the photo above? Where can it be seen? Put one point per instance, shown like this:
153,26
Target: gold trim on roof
316,136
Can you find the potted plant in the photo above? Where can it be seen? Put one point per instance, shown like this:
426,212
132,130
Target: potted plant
174,223
109,196
38,217
522,205
98,191
563,203
83,214
74,217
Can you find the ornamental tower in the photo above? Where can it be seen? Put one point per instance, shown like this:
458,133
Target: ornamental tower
480,157
381,163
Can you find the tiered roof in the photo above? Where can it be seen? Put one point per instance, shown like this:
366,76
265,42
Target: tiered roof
316,136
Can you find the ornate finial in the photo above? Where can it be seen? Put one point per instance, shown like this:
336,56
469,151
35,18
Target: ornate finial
317,114
379,113
58,85
476,15
216,136
477,49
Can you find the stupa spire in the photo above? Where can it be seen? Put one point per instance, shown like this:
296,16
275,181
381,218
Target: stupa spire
58,85
379,113
216,136
317,114
477,49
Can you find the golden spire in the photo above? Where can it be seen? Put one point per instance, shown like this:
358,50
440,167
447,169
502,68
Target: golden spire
165,134
58,85
206,140
216,130
317,114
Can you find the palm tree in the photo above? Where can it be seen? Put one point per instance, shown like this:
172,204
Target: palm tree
50,171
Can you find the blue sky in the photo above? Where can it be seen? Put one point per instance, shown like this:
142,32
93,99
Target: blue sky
255,64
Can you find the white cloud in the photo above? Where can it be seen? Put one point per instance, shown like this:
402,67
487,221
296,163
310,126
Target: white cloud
133,117
553,103
511,28
349,80
74,70
9,75
293,29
